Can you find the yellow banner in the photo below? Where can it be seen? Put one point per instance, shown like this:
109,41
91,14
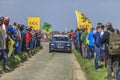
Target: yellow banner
34,22
83,21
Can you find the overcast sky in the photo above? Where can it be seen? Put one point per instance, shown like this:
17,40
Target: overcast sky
61,13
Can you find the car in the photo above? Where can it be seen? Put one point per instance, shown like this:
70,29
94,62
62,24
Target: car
60,43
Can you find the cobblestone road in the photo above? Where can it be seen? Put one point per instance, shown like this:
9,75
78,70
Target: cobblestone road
45,66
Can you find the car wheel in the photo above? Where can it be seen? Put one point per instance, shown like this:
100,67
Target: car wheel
70,51
50,50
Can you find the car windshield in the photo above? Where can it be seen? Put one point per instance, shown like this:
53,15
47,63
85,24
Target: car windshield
60,39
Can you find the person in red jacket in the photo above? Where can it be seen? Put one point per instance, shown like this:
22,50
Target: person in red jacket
73,35
28,38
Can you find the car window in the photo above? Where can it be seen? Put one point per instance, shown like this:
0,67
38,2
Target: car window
60,39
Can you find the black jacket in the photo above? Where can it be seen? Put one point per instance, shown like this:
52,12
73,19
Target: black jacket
105,40
106,37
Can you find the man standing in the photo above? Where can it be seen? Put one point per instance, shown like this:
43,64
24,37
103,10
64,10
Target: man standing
97,46
112,61
77,46
84,46
18,38
3,46
91,45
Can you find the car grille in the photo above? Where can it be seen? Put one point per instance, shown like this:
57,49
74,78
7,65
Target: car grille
60,45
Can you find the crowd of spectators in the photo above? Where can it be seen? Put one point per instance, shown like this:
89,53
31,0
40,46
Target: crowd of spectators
95,45
15,39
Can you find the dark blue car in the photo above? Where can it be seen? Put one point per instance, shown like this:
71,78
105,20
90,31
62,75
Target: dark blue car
60,43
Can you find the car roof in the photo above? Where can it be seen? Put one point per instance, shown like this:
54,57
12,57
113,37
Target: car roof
60,35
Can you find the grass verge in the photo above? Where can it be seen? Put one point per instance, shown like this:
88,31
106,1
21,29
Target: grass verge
89,68
22,57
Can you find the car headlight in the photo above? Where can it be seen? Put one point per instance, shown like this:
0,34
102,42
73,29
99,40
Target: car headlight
68,45
52,44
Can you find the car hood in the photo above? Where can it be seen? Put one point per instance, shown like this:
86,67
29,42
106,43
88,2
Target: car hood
60,42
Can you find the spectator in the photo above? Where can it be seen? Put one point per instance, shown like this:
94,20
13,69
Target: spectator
3,46
91,45
23,32
32,43
80,42
72,35
4,27
84,45
36,35
112,61
38,39
103,58
98,45
6,22
17,38
77,44
28,38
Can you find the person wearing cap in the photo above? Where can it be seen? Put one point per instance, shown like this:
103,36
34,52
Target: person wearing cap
98,46
110,60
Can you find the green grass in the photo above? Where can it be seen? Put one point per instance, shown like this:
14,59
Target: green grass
17,59
89,68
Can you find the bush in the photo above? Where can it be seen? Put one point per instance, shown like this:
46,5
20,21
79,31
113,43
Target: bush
23,56
29,54
32,52
1,66
14,61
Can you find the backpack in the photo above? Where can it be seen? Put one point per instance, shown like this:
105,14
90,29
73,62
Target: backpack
114,44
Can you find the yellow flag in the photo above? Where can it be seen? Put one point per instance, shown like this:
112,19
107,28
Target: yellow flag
34,22
83,21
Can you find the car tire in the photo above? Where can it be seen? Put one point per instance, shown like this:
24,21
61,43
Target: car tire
70,51
50,50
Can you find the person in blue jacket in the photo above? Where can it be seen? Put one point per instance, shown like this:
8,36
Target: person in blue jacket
91,45
98,46
11,29
77,46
